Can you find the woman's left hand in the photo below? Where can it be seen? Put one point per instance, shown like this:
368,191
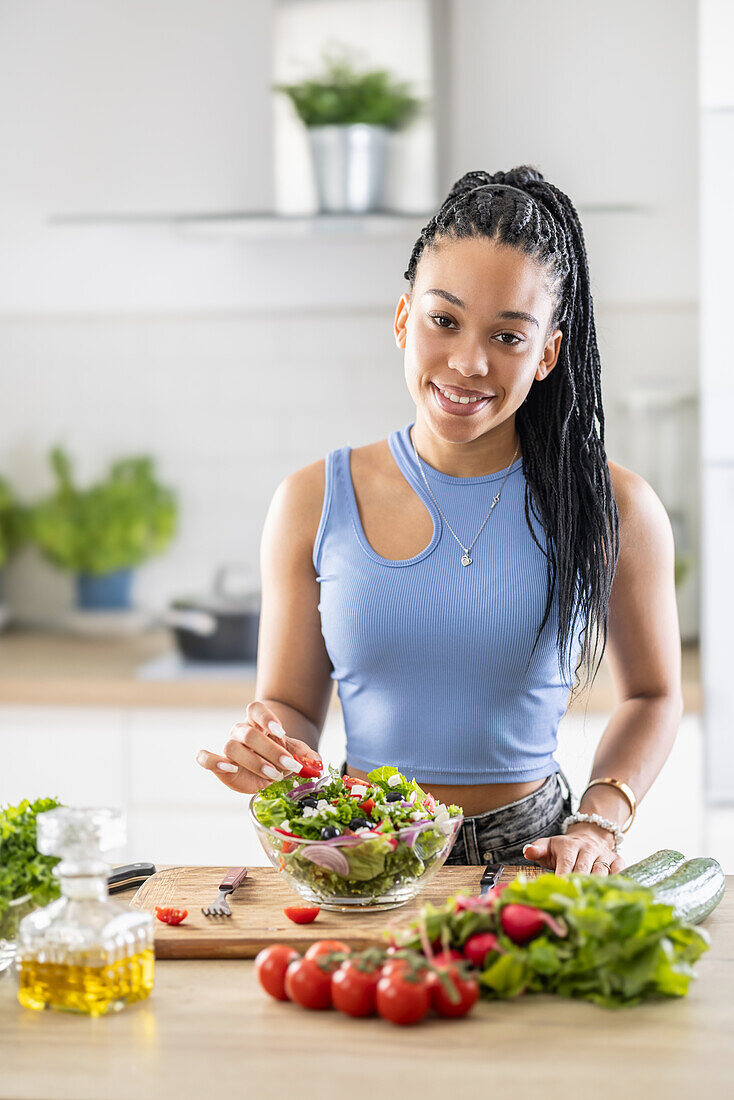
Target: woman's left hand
583,850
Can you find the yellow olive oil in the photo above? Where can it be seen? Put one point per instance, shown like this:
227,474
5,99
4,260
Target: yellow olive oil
93,990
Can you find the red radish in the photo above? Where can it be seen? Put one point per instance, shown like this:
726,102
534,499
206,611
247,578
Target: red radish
477,948
523,923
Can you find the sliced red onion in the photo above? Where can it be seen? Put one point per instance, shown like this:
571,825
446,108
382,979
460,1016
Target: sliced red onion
312,785
331,858
296,792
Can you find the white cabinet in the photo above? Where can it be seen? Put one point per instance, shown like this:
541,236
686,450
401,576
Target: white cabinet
75,754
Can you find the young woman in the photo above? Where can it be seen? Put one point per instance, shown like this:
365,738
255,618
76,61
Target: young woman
453,577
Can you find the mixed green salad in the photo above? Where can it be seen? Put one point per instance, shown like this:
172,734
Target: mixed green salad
366,837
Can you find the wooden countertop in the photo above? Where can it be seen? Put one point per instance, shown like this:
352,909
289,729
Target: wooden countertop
46,668
208,1030
43,668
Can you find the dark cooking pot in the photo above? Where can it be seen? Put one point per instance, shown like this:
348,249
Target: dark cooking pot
221,626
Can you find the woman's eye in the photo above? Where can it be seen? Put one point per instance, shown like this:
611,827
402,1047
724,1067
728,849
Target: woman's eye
511,343
440,317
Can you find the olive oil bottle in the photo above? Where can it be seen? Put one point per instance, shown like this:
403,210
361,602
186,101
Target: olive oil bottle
83,952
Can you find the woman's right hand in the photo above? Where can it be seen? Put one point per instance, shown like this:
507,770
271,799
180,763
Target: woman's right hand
257,753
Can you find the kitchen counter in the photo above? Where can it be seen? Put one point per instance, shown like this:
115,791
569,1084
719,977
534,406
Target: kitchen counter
208,1030
44,668
61,669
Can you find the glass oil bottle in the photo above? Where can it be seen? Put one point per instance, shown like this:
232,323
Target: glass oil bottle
83,952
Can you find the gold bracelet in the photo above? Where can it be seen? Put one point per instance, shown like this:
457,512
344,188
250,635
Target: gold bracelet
626,791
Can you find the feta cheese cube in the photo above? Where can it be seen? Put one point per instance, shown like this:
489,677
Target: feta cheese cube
358,792
394,781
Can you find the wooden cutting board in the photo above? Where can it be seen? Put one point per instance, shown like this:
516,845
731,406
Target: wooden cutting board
257,911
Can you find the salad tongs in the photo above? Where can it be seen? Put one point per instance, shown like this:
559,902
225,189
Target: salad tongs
491,877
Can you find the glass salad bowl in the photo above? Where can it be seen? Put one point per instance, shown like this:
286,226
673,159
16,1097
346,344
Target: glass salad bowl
379,866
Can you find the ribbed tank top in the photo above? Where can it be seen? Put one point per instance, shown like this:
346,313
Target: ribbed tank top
429,655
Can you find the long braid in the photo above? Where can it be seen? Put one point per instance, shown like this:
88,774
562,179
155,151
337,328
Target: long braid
568,485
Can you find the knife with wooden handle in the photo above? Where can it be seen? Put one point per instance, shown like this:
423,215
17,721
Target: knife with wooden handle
491,877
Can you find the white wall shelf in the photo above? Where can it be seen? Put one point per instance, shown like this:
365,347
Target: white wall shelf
259,225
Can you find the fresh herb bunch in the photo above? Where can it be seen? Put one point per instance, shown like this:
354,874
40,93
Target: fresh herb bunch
341,96
117,523
614,944
23,870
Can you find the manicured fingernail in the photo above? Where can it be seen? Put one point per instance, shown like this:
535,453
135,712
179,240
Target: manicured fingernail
526,848
277,729
225,767
271,772
201,758
290,764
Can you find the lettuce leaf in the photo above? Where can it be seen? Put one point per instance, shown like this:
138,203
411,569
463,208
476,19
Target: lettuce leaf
368,859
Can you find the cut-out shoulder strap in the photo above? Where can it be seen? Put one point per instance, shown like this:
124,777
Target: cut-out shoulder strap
329,462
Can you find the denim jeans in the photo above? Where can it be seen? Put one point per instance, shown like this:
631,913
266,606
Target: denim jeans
498,835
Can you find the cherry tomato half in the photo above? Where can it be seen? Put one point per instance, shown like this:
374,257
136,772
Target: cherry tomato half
302,914
310,771
307,984
270,966
169,915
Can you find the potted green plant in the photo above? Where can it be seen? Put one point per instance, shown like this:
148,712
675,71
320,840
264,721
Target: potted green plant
101,533
12,530
348,116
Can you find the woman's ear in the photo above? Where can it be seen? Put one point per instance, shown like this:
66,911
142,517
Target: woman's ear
401,318
550,356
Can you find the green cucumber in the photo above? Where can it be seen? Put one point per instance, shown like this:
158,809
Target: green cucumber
694,889
655,867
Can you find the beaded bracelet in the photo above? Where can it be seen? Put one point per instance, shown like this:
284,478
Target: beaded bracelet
596,819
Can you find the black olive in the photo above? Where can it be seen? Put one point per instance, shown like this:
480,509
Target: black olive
329,831
394,796
308,801
358,823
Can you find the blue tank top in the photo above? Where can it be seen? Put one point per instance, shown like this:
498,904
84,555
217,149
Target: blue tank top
429,655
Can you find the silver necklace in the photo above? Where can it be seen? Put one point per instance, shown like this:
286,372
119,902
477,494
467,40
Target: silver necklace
465,559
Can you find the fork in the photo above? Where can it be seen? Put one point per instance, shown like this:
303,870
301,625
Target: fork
220,906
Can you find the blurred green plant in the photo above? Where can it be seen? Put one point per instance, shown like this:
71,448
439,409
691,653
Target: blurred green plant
117,523
13,522
341,96
682,568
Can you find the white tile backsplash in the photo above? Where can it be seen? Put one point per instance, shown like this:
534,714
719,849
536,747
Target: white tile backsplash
229,404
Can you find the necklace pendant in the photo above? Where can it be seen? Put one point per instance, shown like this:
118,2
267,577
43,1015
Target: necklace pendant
466,560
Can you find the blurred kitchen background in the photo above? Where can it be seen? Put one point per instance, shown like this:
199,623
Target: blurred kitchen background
191,308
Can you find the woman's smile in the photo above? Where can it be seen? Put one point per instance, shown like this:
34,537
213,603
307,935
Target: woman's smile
463,407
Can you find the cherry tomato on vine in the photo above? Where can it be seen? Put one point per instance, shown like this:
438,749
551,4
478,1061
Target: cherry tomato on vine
270,967
324,947
402,999
307,984
353,990
467,989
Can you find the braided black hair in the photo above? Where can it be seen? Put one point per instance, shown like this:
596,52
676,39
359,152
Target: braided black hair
567,476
